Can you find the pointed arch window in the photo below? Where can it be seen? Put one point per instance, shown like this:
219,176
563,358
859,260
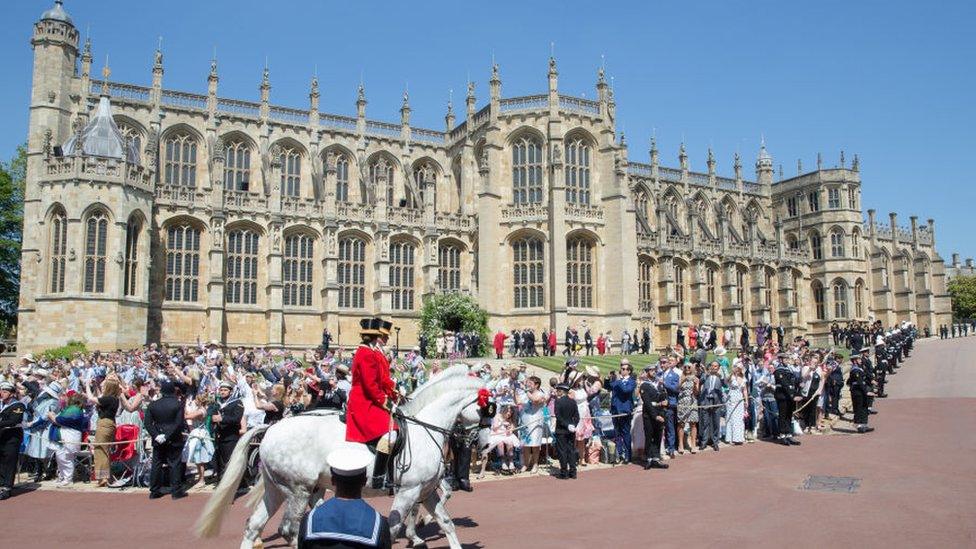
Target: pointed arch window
237,166
381,178
840,299
645,286
352,273
679,289
242,267
180,160
816,245
819,300
740,285
59,250
837,243
402,256
296,270
643,212
768,288
291,172
448,268
855,244
795,301
529,266
132,139
579,273
577,172
423,176
342,178
132,230
859,299
527,171
182,263
96,240
710,289
885,271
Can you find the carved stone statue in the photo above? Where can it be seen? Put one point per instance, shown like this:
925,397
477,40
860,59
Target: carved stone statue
276,238
48,137
557,154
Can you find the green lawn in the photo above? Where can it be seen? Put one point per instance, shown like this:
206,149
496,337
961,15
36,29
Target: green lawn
612,362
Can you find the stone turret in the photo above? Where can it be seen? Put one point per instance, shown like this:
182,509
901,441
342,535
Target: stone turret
764,166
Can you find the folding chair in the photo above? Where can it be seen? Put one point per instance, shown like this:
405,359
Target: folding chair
124,456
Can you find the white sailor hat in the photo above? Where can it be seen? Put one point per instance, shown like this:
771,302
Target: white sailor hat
7,386
349,460
227,385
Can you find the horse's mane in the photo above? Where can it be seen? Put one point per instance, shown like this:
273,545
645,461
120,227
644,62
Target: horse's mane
451,380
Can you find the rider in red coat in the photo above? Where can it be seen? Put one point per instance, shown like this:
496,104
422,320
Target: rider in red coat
372,395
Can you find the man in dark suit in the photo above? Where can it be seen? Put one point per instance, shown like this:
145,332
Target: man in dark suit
567,417
744,338
681,337
710,413
164,422
654,401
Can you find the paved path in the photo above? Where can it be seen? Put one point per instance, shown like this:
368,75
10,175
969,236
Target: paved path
918,488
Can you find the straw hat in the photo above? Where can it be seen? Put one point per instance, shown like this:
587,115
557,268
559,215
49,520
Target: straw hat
592,371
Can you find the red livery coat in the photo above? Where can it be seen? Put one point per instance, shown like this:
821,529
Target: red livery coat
366,419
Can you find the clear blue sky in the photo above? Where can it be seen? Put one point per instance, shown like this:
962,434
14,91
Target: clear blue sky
891,80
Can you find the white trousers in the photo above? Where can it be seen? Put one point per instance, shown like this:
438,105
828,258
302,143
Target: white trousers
65,454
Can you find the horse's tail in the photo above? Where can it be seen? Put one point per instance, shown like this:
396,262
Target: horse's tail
208,525
257,492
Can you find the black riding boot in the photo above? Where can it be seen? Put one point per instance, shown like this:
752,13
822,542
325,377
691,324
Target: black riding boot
380,471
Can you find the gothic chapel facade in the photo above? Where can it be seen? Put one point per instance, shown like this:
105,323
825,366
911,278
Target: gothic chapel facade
160,215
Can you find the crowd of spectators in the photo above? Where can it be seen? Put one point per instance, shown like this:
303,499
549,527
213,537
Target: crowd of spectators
93,404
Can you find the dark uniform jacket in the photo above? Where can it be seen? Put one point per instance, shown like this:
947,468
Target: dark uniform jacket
652,395
567,413
165,417
11,418
344,523
229,426
857,381
786,382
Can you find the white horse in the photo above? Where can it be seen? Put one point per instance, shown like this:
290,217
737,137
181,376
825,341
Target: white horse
294,468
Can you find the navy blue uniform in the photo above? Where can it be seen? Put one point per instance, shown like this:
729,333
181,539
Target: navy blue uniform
344,523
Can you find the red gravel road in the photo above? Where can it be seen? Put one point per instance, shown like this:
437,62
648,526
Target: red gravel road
918,488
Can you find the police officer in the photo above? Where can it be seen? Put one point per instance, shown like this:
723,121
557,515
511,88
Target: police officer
787,395
345,520
654,401
11,436
164,423
860,393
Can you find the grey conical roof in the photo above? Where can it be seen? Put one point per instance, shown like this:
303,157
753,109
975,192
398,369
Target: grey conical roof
101,137
57,13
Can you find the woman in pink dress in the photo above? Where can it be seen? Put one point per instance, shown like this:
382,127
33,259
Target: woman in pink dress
601,345
692,338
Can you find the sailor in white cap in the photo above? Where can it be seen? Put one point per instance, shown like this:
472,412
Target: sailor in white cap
226,422
345,520
11,435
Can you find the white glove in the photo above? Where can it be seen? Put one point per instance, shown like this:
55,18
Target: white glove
160,439
572,428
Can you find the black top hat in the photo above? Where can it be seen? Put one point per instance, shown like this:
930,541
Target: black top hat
375,326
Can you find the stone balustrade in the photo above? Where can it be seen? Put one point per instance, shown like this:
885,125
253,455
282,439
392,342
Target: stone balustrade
585,213
524,213
92,168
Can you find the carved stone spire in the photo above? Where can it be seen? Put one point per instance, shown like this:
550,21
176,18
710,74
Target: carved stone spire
843,163
737,166
711,162
405,109
856,166
683,156
654,152
496,83
313,94
449,117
